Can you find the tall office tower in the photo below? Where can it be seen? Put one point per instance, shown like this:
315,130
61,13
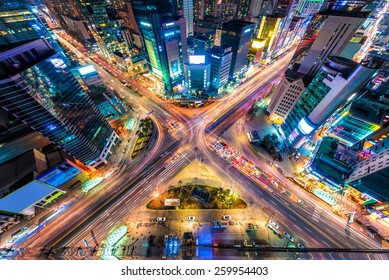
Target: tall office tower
211,7
198,9
286,10
220,58
328,34
106,27
267,33
37,87
197,73
226,11
268,7
287,94
198,44
307,8
353,7
187,7
336,81
60,8
244,9
371,176
18,24
238,34
164,34
360,118
133,24
255,8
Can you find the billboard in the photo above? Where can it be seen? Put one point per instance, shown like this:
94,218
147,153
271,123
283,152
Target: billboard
86,69
197,59
59,175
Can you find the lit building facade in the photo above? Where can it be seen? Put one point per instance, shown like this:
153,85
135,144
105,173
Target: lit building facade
268,30
38,88
164,35
287,94
220,59
362,117
371,176
336,81
307,8
238,35
197,73
106,27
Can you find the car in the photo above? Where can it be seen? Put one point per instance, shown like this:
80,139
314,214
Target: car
274,183
161,219
288,236
227,217
299,245
274,224
166,238
191,218
297,155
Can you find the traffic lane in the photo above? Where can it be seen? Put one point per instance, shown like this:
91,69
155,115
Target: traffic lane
47,237
349,232
140,194
285,210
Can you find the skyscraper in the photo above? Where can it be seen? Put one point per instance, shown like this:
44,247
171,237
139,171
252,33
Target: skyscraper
238,34
18,24
365,115
37,87
105,26
220,58
197,73
164,34
187,7
336,81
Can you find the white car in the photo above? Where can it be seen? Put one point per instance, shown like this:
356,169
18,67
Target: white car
274,183
227,218
274,224
161,219
191,218
288,236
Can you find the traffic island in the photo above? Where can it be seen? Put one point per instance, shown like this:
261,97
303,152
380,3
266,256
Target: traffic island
144,134
196,197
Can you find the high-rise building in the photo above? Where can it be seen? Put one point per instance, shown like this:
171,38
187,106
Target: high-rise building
18,24
226,11
197,73
220,58
336,81
287,94
198,9
362,117
106,27
37,87
198,44
211,7
307,8
164,35
187,7
238,34
329,34
267,33
243,12
371,176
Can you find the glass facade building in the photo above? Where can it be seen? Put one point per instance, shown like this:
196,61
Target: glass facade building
336,81
164,35
37,87
220,60
238,34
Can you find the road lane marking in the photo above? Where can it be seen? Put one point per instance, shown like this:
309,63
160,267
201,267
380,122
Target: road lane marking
308,229
292,217
273,202
315,241
326,243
